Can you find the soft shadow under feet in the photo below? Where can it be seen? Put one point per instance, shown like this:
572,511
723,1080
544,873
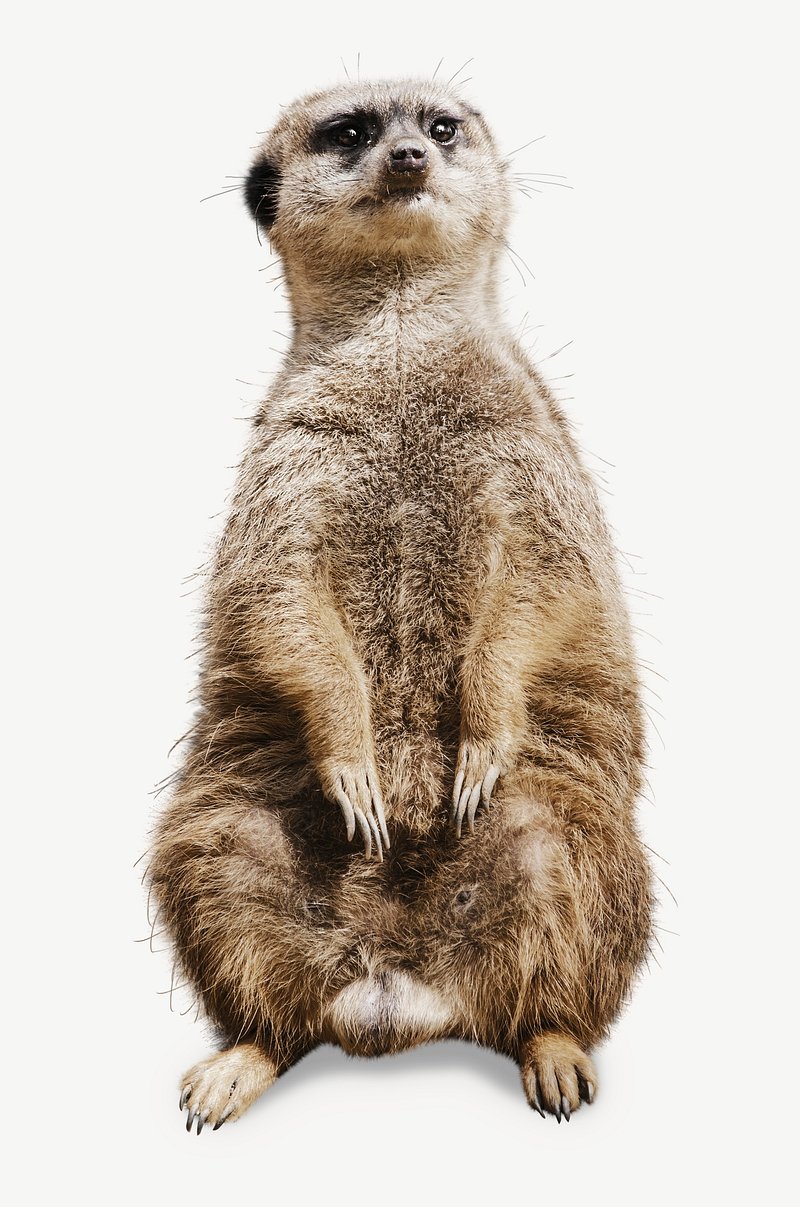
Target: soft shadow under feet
441,1056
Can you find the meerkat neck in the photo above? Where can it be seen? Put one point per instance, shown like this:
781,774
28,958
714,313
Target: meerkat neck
329,307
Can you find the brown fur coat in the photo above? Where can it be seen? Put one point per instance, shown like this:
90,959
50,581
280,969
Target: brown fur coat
415,586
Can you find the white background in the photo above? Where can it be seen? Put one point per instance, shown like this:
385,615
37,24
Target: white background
134,314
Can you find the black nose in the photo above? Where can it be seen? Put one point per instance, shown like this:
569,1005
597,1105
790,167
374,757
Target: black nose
408,155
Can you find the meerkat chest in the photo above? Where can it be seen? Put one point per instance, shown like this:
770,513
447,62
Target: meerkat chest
408,452
405,457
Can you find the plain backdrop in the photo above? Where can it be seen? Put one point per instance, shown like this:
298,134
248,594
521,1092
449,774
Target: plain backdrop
141,326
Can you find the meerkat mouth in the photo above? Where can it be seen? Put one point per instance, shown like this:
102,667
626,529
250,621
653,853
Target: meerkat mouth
396,194
405,194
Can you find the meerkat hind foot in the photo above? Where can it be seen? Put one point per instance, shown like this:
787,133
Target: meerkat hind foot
557,1075
224,1086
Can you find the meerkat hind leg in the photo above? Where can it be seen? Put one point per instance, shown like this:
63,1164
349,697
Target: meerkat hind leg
557,1075
224,1086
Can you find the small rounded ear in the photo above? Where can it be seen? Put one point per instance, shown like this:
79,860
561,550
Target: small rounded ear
261,192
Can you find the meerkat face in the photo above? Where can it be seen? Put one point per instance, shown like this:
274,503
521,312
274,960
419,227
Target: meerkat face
375,172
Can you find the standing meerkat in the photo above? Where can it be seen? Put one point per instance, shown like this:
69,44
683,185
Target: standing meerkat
406,812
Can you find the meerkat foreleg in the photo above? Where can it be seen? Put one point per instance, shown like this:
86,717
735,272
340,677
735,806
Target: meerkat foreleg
502,654
306,652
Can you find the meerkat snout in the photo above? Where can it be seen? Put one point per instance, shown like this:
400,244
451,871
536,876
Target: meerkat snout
409,157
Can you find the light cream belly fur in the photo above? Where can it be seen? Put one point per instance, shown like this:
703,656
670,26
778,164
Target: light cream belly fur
387,1012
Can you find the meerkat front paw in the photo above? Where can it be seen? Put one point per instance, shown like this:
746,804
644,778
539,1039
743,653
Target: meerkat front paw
479,766
557,1075
354,788
224,1086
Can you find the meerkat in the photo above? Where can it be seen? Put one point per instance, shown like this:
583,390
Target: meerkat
407,807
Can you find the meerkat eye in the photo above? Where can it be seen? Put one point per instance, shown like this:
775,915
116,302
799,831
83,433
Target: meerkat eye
346,135
443,130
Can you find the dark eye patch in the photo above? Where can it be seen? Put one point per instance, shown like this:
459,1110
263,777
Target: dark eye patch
346,132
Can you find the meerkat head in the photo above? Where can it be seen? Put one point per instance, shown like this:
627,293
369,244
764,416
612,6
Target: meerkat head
397,170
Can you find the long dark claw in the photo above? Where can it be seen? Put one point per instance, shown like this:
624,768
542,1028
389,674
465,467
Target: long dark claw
376,834
472,804
377,804
461,809
382,821
185,1093
190,1120
201,1119
557,1113
472,807
584,1087
457,794
492,776
366,833
537,1104
565,1107
343,801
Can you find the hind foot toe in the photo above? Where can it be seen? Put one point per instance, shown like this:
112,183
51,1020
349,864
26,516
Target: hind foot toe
222,1088
557,1075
